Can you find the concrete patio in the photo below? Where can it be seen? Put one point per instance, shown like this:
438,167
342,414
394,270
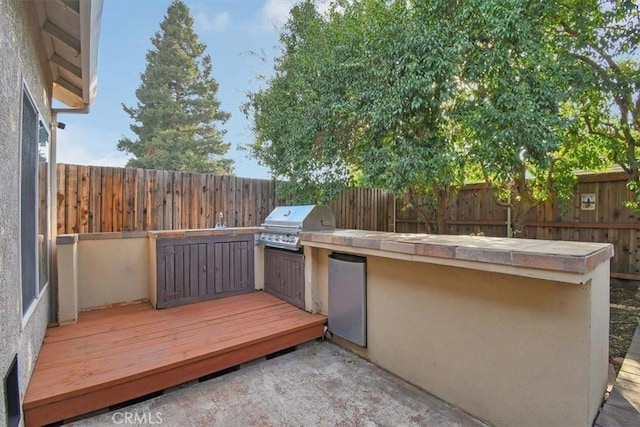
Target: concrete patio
318,384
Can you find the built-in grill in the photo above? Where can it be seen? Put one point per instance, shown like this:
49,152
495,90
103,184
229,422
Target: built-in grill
283,257
283,225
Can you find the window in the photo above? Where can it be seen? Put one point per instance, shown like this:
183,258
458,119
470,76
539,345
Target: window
12,394
34,187
43,205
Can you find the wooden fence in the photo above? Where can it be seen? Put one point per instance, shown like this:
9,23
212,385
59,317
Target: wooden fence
364,209
94,199
473,210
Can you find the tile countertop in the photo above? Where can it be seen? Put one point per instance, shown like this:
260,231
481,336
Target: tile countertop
225,231
563,256
157,234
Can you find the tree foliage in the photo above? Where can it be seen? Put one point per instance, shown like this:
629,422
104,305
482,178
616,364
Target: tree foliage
420,97
358,97
602,37
176,117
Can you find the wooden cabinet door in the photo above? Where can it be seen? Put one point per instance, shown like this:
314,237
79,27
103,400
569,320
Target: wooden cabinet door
202,268
284,275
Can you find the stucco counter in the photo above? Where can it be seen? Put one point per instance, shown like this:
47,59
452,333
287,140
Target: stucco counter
572,261
512,331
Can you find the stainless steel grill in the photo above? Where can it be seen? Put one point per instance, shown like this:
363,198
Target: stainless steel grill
283,225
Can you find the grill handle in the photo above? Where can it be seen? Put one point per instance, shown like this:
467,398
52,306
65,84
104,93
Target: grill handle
273,226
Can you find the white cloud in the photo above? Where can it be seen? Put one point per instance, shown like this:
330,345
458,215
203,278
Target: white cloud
323,6
276,12
216,23
81,146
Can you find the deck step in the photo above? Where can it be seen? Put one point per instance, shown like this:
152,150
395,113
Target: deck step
119,354
623,406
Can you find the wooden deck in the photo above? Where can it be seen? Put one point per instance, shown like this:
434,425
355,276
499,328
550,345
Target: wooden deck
622,409
117,354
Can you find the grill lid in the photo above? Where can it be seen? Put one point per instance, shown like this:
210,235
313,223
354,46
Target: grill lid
301,218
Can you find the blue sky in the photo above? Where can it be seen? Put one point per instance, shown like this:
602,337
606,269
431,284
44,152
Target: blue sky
230,29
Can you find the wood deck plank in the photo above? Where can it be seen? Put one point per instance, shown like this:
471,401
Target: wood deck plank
91,401
121,340
98,367
629,377
631,366
99,321
159,331
120,353
169,344
101,372
623,406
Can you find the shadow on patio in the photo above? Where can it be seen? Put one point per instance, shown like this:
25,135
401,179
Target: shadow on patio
319,384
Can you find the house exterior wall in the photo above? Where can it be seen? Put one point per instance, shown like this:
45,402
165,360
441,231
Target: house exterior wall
492,344
22,61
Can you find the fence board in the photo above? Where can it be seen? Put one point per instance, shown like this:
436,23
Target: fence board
141,201
166,200
473,210
117,189
60,199
83,195
107,200
72,199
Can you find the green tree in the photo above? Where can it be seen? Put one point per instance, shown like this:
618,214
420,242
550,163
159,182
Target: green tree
176,117
602,37
515,87
296,136
358,97
419,97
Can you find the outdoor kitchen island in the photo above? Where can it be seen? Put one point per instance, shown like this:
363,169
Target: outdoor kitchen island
512,331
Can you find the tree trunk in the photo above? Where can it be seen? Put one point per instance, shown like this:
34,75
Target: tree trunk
442,211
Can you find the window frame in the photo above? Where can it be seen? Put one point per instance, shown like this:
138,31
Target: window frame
27,313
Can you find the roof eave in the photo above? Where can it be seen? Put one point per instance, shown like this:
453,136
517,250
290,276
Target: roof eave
77,32
90,21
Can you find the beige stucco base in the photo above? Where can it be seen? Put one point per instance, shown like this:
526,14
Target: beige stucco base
508,349
67,260
258,266
112,271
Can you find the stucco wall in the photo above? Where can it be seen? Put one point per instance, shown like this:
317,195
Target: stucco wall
599,324
19,43
510,350
112,271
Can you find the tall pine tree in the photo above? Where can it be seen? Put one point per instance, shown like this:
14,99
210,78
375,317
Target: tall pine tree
177,111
